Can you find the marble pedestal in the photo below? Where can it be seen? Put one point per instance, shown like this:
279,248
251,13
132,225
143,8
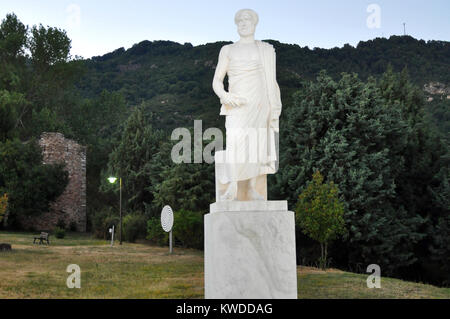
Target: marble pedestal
250,251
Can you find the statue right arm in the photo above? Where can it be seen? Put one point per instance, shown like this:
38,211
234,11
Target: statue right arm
225,97
221,71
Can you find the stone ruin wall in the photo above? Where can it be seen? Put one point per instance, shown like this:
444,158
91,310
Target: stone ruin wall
71,205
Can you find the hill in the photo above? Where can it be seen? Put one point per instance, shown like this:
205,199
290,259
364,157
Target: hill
174,80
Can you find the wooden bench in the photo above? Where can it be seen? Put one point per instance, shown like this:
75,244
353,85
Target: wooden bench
42,237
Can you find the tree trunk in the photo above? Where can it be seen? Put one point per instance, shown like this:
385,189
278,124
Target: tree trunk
321,264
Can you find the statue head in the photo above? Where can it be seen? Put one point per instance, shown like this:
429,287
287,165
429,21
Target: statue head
246,21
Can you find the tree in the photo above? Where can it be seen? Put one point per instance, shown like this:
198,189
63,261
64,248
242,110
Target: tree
133,159
10,102
31,185
48,46
187,186
3,206
36,71
422,183
320,214
348,131
13,38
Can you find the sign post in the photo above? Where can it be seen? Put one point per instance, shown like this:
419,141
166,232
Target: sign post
167,223
111,231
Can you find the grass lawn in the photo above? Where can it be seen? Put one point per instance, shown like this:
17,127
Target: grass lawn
144,271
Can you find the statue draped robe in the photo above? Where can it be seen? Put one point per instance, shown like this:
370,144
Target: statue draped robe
252,128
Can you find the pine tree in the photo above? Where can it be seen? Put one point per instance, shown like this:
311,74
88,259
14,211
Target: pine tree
187,186
346,130
133,159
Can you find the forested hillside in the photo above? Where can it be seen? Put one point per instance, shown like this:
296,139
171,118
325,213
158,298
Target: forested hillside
174,80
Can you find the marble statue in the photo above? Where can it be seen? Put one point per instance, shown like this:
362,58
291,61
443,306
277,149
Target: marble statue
249,241
252,107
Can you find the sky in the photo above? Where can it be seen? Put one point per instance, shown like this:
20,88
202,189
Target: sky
97,27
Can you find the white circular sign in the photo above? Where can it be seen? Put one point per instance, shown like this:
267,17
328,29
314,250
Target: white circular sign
167,218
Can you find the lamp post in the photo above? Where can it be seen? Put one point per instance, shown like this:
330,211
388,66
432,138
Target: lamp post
112,180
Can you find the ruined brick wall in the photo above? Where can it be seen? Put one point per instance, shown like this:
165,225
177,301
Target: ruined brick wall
71,205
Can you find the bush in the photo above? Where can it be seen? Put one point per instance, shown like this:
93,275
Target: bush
61,223
320,214
59,232
31,185
73,226
188,228
3,205
102,221
155,233
134,227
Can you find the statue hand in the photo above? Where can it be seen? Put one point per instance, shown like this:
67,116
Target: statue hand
232,100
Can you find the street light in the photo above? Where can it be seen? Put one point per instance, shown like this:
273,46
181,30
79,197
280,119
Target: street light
112,180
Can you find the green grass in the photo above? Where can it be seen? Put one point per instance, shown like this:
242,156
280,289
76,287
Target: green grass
144,271
333,284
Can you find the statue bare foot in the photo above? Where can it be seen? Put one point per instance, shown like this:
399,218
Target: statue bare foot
231,193
254,195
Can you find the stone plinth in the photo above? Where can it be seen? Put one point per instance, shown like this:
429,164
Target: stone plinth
250,251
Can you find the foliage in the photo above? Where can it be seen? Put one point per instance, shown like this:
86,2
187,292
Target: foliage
61,223
30,185
320,214
97,123
48,46
59,232
187,186
132,160
361,135
3,205
174,80
36,74
155,233
102,221
188,228
134,227
10,103
73,226
439,111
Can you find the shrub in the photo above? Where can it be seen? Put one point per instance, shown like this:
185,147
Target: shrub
134,227
102,221
59,232
31,185
73,226
61,223
155,233
188,228
3,205
320,214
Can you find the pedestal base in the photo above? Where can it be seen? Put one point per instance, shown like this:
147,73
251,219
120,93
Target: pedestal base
250,251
